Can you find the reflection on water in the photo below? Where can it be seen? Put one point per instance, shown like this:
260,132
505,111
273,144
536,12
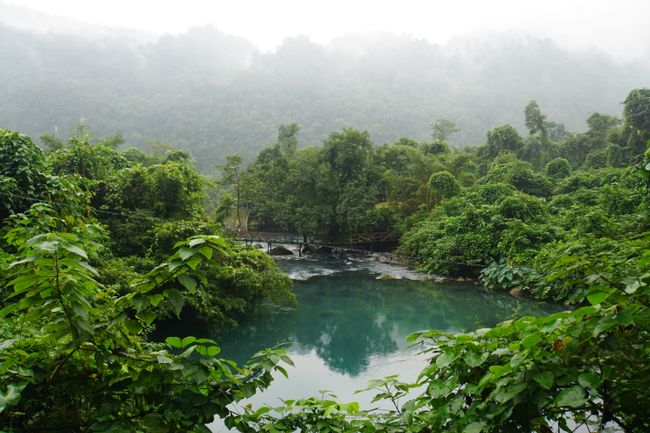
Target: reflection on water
350,327
348,317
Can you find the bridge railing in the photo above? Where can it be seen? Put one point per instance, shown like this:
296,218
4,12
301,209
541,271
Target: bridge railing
294,238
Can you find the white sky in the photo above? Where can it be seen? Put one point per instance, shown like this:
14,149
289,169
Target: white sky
617,26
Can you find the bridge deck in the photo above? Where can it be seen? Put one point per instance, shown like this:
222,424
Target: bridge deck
297,239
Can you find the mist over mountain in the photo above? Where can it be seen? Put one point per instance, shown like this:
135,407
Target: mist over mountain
215,94
38,22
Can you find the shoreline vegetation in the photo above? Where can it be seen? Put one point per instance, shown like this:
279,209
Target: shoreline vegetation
98,243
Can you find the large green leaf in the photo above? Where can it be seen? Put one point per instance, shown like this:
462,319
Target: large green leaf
571,397
545,379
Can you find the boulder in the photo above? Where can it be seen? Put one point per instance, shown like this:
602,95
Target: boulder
315,249
280,251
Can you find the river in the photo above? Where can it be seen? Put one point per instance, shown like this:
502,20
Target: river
351,325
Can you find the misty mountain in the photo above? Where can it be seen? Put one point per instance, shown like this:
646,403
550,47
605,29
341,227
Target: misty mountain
216,94
38,22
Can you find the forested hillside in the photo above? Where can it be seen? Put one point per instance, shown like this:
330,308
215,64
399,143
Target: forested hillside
509,164
215,94
99,245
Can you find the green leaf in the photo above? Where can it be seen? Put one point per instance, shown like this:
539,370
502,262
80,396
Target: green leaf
261,411
589,381
76,250
510,392
208,351
437,388
632,287
473,359
445,358
196,241
571,397
604,325
207,252
414,336
545,379
351,408
595,298
6,343
187,282
175,299
187,341
185,253
133,326
282,370
531,340
156,299
154,422
146,316
174,342
194,262
8,397
475,427
162,359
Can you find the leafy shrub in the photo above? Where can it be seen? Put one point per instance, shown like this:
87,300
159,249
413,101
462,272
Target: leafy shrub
502,276
558,168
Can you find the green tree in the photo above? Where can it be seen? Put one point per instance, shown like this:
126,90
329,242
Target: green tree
22,172
231,177
637,109
437,147
52,143
637,132
288,138
558,168
600,124
443,185
347,154
503,138
442,129
81,361
535,120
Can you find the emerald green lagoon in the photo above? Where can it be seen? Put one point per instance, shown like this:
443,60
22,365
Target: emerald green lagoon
349,326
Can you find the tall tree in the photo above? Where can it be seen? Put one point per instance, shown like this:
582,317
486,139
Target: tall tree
232,178
503,138
443,128
637,109
288,138
637,120
535,120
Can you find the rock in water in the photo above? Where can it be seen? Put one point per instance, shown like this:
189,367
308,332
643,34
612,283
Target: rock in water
317,249
280,251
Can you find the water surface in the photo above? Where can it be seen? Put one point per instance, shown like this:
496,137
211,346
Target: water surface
350,327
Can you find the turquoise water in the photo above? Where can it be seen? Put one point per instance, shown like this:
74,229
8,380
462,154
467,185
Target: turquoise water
350,327
349,317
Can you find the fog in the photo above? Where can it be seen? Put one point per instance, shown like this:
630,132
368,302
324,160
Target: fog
616,27
392,70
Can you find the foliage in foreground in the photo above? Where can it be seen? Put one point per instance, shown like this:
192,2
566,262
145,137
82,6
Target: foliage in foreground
586,368
74,357
74,354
